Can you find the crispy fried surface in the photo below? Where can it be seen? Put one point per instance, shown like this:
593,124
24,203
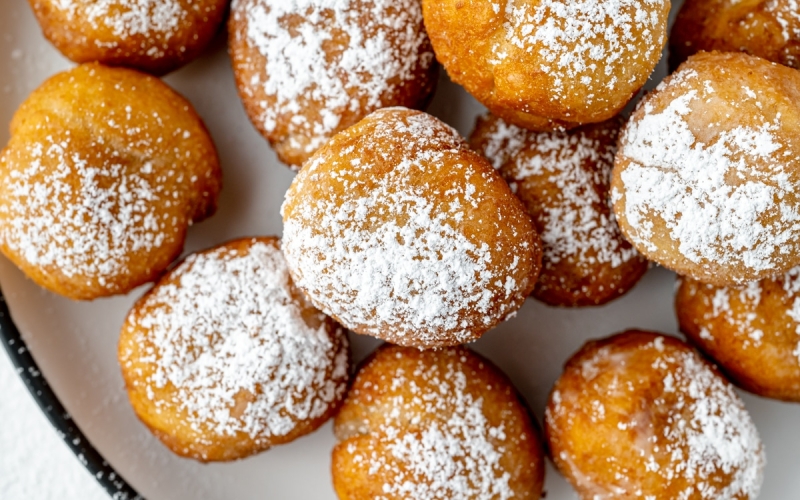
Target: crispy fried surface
398,230
548,64
104,172
155,37
751,331
435,424
763,28
642,415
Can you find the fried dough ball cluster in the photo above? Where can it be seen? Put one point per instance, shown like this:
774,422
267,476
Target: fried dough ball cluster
225,358
548,64
155,36
97,191
751,331
707,175
307,70
641,415
398,230
430,425
563,179
763,28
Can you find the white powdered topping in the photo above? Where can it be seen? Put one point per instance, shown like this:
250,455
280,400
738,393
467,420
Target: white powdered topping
578,223
584,39
787,15
503,141
711,432
717,205
748,309
126,17
229,339
693,433
340,56
413,269
437,439
85,218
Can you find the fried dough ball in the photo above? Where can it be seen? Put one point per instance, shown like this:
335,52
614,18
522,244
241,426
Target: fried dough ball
104,172
763,28
641,415
308,70
563,179
398,230
752,331
155,36
549,64
707,175
430,425
225,358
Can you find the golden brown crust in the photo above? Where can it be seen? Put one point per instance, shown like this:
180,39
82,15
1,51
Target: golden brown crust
642,415
154,37
398,230
327,68
751,331
104,172
705,180
548,64
763,28
563,179
424,425
187,355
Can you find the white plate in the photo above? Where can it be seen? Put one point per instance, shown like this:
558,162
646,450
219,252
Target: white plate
75,343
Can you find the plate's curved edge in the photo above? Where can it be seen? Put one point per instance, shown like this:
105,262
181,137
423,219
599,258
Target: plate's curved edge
27,369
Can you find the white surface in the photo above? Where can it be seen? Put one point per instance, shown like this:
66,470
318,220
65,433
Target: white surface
75,343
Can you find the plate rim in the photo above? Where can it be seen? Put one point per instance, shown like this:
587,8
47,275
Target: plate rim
67,429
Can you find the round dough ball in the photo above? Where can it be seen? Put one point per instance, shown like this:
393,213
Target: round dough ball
547,64
707,175
642,415
104,172
763,28
563,179
430,425
397,230
225,358
752,331
155,36
308,70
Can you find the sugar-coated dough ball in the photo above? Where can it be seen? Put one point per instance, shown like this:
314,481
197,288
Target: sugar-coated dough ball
563,179
155,36
225,358
431,425
707,176
547,64
641,415
751,331
308,69
763,28
104,172
397,230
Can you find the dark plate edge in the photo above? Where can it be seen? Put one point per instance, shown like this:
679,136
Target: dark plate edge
27,369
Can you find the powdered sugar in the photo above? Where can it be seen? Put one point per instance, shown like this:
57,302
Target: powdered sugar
584,39
127,17
415,270
456,452
691,429
227,326
340,56
66,211
715,204
576,222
